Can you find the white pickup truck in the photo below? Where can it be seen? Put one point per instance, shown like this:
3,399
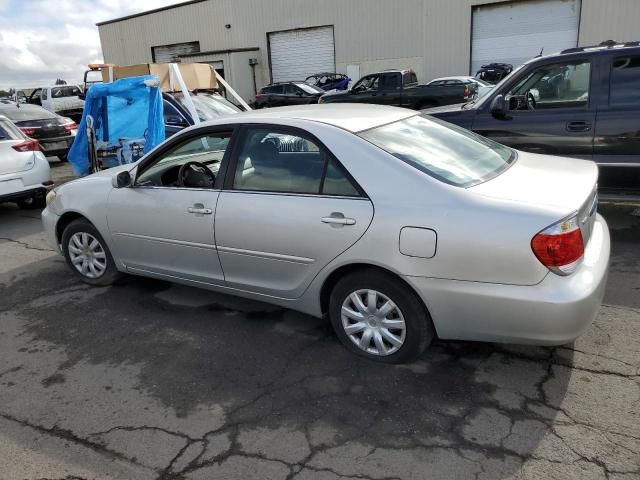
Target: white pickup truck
61,99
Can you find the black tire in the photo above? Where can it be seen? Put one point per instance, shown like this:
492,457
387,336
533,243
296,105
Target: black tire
33,203
419,330
110,274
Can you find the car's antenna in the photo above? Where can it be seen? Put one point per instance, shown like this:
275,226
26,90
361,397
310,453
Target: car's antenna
540,54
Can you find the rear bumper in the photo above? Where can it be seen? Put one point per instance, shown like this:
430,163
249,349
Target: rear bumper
554,312
33,182
56,146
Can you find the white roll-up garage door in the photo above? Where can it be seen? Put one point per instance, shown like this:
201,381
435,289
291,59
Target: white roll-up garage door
515,32
296,54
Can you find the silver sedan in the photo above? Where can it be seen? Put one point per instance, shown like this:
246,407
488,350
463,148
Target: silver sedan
396,226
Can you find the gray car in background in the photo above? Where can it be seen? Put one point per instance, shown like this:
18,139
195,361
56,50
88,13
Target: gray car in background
396,226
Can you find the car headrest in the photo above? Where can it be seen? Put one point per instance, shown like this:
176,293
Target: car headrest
264,155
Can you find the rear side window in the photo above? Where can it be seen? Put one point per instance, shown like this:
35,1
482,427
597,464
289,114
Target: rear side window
66,91
449,153
273,160
9,132
625,82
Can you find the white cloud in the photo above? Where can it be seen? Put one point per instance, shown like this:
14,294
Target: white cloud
41,40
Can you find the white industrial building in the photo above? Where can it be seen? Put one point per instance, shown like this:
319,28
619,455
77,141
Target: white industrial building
290,39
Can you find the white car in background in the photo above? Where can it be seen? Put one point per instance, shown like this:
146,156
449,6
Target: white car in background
483,87
25,177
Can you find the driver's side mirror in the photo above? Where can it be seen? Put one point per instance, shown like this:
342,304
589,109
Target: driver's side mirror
175,120
122,180
498,106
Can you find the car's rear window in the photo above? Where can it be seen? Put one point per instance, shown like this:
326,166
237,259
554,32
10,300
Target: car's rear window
24,113
449,153
8,131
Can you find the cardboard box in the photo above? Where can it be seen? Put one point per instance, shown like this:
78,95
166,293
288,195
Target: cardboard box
197,76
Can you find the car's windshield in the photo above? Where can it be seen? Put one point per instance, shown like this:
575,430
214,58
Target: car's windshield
66,91
309,88
208,106
24,113
449,153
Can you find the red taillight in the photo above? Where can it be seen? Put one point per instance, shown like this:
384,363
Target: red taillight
70,126
28,146
560,246
467,92
28,131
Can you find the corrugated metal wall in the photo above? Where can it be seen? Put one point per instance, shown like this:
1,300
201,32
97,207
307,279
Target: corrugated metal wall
431,36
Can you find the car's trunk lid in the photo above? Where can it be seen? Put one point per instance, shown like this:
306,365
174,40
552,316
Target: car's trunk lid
565,185
12,161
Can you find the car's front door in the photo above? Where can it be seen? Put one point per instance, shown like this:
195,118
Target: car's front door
164,223
366,90
549,111
288,208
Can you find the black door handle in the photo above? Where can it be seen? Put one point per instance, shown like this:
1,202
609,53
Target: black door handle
578,126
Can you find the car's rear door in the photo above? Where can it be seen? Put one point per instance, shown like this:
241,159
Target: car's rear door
288,208
617,134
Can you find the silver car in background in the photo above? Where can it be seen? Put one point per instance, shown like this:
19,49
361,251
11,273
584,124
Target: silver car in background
396,226
482,87
25,177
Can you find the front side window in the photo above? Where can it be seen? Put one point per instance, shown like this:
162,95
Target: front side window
43,95
625,82
449,153
290,89
200,156
560,85
272,160
367,84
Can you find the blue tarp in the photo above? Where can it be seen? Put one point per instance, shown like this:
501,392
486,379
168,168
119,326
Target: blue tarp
125,109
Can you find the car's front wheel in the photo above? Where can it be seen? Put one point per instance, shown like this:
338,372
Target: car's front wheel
87,254
380,318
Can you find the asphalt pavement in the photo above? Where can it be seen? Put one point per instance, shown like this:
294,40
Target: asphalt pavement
149,380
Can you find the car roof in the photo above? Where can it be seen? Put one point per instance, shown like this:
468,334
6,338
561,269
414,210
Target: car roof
348,116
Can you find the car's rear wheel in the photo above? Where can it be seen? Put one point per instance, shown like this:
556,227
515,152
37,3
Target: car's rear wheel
87,254
380,318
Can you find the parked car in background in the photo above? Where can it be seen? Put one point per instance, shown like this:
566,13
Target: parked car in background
483,87
25,177
54,133
494,72
400,88
209,105
369,223
288,93
329,81
583,102
64,100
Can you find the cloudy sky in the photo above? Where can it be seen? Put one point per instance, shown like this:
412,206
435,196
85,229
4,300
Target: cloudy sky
41,40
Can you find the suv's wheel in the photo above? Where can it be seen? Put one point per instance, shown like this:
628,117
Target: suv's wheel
379,318
32,203
87,254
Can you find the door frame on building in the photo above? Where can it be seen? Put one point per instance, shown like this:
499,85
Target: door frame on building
333,32
502,3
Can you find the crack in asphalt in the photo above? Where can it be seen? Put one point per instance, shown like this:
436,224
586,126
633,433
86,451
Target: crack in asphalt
26,245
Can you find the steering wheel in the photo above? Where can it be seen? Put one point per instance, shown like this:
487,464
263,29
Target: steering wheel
531,101
195,175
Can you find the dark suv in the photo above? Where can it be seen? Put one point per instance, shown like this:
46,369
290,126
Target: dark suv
287,93
582,102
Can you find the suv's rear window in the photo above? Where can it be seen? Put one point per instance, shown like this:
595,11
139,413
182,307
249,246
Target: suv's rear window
449,153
